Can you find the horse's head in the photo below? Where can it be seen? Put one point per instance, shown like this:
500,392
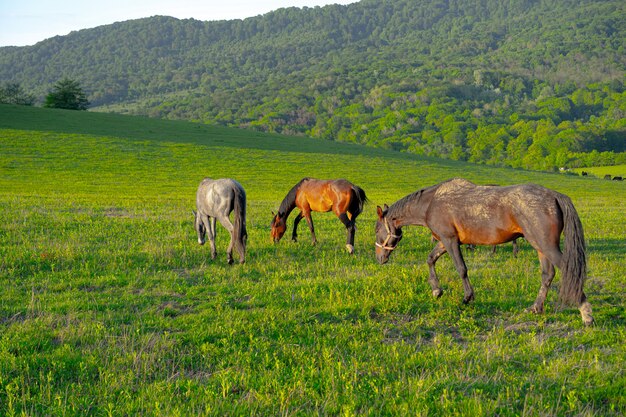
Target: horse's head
199,226
279,226
387,235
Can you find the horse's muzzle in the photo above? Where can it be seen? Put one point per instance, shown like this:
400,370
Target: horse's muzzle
382,258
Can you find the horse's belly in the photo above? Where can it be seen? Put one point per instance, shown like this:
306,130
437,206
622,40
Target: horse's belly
486,237
320,206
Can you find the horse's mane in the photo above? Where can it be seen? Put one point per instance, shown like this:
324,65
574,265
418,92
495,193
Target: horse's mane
401,205
408,202
289,202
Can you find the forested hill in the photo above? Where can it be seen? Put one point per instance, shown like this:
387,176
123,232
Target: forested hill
527,83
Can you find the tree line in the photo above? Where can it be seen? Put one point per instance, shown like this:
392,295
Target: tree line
537,84
65,94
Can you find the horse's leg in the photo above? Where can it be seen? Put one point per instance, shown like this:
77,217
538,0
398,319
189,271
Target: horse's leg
437,251
225,221
455,252
585,310
296,221
515,248
547,275
210,227
207,221
351,229
555,256
309,220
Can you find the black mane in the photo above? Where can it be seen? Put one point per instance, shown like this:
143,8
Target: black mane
289,202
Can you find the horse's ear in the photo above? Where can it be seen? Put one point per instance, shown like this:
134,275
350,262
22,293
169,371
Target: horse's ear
194,213
273,214
386,207
379,211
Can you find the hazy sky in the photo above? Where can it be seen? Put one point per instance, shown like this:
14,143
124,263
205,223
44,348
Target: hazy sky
26,22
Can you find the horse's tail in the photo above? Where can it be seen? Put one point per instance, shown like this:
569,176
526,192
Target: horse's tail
239,223
358,201
574,262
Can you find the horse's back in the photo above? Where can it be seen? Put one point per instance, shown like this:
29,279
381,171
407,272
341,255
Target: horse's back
215,197
324,195
492,214
460,193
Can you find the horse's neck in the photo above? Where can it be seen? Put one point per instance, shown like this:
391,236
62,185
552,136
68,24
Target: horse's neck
287,206
411,210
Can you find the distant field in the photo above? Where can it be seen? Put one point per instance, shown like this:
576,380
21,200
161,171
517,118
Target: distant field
110,307
600,172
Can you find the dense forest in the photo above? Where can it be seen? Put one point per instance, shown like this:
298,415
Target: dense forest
537,84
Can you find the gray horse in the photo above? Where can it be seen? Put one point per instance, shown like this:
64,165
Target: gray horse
216,199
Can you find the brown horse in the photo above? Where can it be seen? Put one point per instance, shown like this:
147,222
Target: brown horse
341,196
460,212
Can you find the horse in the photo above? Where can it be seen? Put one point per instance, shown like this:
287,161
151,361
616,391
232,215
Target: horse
345,199
216,199
459,212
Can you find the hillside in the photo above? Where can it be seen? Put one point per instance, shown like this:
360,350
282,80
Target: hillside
533,84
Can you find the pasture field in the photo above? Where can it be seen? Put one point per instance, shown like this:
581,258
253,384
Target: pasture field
109,307
600,172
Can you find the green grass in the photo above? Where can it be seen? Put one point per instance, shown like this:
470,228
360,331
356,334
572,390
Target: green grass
600,172
109,306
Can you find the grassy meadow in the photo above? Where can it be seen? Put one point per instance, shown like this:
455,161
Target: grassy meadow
600,172
109,307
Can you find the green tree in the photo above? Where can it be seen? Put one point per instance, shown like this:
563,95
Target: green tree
67,94
12,93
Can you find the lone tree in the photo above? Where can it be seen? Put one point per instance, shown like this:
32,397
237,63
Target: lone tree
67,94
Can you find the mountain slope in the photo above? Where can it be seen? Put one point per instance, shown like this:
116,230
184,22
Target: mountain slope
161,54
421,76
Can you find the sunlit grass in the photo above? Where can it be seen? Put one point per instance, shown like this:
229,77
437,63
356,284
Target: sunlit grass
110,307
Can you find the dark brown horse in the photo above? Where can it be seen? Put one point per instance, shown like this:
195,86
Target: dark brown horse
341,196
460,212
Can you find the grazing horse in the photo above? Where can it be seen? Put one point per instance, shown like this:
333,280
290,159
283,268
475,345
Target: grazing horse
216,199
460,212
341,196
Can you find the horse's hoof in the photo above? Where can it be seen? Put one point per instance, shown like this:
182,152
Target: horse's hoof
466,300
585,312
535,309
437,293
242,261
230,261
350,249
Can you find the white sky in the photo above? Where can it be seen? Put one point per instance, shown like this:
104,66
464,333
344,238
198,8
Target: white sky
26,22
